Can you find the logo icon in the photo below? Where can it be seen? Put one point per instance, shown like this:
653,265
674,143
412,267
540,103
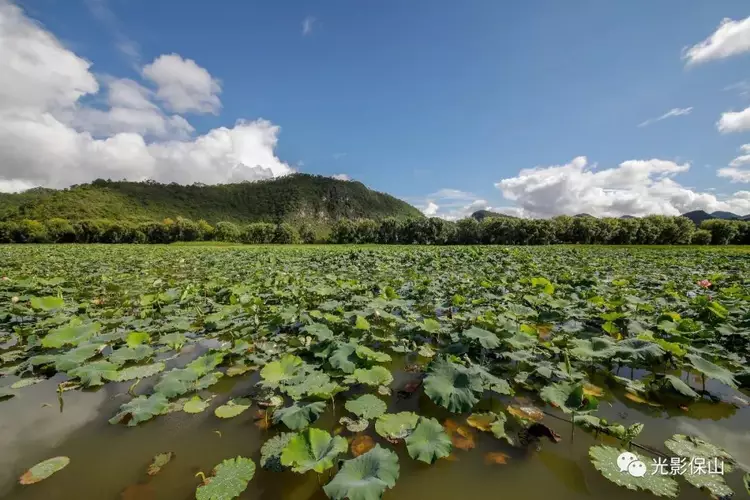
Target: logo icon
628,462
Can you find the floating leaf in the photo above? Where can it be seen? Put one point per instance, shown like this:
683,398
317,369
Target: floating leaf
340,358
195,405
526,413
692,447
482,421
43,470
461,437
354,425
25,382
93,374
229,480
75,333
365,352
135,339
367,406
361,444
396,425
569,397
365,477
141,409
485,338
361,323
297,417
375,376
604,459
124,354
159,461
313,449
495,458
429,441
284,369
319,330
138,372
270,452
233,408
452,386
47,303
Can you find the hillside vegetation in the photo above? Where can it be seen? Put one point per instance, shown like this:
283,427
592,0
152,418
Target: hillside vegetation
293,199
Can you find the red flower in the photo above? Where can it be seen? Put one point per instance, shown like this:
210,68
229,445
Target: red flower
704,283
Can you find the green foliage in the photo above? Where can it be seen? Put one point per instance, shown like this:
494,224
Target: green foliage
365,477
228,481
313,449
429,441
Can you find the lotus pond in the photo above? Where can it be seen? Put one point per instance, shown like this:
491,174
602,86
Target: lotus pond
168,372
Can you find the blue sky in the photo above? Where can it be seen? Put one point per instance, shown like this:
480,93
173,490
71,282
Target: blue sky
418,96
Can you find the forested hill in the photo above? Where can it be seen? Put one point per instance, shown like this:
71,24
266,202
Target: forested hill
292,198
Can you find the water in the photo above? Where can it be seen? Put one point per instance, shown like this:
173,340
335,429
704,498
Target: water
110,461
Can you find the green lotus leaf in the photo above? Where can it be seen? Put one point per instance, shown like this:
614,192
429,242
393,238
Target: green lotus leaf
671,385
195,405
93,374
124,354
491,382
692,447
207,381
313,449
361,323
425,351
365,352
311,384
452,386
569,397
396,425
137,338
233,408
141,409
229,480
270,452
365,477
47,303
711,370
354,425
340,358
429,441
638,350
485,338
713,483
176,382
173,340
746,480
430,325
604,459
159,461
319,330
367,406
43,470
26,382
140,371
375,376
206,363
74,333
595,348
297,417
71,359
521,341
281,370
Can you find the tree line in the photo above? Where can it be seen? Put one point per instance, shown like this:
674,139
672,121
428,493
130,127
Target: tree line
651,230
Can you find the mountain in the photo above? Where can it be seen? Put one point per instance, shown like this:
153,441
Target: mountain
725,215
480,215
291,198
698,216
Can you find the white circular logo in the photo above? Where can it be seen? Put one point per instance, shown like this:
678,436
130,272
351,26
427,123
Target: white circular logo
637,468
624,460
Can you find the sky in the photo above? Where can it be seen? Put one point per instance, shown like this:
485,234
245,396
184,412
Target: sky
534,108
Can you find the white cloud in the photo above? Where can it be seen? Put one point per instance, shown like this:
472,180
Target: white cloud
431,209
342,177
672,112
184,86
48,137
734,121
307,25
729,39
635,187
734,172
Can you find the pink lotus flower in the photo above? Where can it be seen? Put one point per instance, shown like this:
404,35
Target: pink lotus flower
704,283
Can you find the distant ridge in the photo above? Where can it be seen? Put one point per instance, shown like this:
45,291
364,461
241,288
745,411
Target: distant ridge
480,215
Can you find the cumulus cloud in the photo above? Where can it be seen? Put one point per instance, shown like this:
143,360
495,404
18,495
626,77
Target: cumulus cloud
454,204
734,121
49,137
635,187
183,86
669,114
735,171
307,25
730,38
342,177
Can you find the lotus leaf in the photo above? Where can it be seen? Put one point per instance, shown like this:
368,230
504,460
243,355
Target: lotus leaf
604,459
396,425
365,477
367,406
313,449
429,441
452,386
297,417
229,480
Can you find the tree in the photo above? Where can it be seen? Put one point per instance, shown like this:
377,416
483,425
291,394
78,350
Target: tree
701,237
226,231
285,234
389,230
722,231
259,233
306,233
467,232
60,231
